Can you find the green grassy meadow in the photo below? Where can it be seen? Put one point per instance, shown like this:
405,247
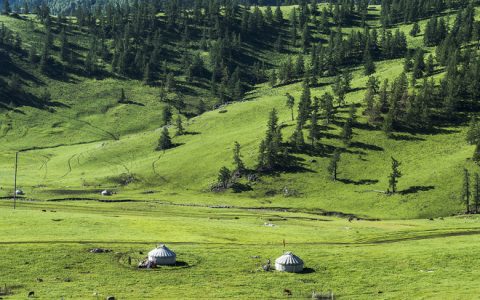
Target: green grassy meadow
223,250
412,245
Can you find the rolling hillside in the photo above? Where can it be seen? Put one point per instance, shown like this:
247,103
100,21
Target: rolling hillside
85,141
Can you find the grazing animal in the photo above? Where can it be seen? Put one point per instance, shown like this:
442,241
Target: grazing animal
31,294
110,298
287,292
39,279
44,210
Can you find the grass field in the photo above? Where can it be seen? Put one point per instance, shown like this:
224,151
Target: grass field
223,250
412,245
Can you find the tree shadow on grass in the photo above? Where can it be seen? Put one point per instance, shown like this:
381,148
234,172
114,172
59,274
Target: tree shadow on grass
366,146
131,102
238,187
359,182
416,189
403,137
191,133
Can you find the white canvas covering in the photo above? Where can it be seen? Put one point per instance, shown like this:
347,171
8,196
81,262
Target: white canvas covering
162,256
289,262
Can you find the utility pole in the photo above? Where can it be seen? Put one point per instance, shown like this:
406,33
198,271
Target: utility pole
15,182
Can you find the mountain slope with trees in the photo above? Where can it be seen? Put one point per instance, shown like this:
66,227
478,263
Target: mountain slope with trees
300,106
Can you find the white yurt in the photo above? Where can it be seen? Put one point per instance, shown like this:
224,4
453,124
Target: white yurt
289,262
106,193
162,256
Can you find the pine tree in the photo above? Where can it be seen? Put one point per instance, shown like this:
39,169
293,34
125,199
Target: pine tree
147,75
304,105
64,47
466,189
347,132
314,129
430,65
179,125
368,64
201,107
387,126
273,78
333,166
415,29
270,151
165,142
237,158
278,15
224,177
297,138
339,90
418,64
123,98
290,103
167,114
476,192
326,102
394,176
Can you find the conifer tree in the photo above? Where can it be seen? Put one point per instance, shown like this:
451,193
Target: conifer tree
237,158
466,189
429,66
418,64
387,126
415,29
476,192
165,141
314,135
179,125
290,103
167,114
333,166
304,105
347,132
147,75
271,148
368,64
297,138
273,78
122,98
224,177
394,176
326,103
64,47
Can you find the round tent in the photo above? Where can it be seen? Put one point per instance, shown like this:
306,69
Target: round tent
289,262
162,256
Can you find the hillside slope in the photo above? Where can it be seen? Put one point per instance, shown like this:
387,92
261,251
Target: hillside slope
86,141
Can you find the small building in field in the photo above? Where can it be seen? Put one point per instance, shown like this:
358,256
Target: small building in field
162,256
289,262
106,193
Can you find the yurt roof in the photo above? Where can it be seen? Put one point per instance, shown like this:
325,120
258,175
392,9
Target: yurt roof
289,259
162,251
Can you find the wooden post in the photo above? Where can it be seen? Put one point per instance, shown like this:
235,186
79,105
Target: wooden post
15,182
